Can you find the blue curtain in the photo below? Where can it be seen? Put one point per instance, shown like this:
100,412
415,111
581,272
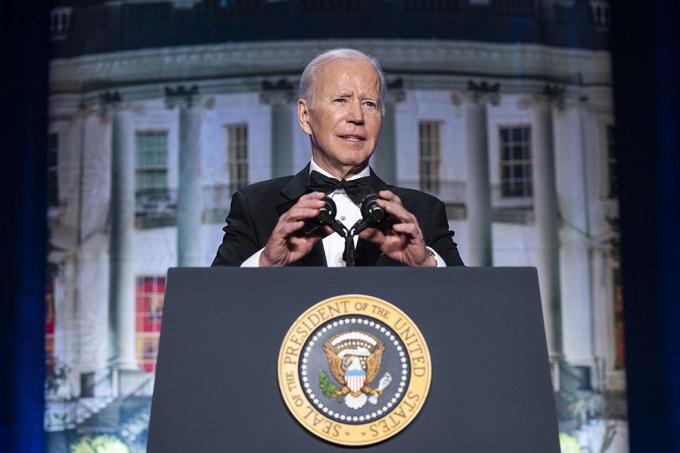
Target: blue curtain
645,53
24,41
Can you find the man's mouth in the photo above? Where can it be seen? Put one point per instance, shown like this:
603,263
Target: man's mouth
354,138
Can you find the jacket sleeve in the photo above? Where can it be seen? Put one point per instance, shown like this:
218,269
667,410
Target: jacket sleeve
240,238
440,238
431,215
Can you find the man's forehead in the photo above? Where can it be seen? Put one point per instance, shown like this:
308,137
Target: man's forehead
340,77
365,93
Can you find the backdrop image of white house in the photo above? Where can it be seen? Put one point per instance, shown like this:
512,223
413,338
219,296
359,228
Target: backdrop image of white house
159,111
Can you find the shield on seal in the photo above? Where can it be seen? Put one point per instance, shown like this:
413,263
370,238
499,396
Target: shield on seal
355,379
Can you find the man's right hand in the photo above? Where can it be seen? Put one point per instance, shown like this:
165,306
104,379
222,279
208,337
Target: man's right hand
288,242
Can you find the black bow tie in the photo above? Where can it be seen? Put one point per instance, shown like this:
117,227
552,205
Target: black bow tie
356,189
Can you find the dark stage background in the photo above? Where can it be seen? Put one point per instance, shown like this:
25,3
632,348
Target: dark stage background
24,42
646,51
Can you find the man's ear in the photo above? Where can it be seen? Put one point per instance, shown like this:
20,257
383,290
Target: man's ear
303,116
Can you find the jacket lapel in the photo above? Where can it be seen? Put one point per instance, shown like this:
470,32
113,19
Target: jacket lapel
378,184
294,189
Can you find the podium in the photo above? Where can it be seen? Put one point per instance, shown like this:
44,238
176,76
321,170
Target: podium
217,387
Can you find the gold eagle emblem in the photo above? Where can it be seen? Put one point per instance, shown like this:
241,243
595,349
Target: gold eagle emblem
354,359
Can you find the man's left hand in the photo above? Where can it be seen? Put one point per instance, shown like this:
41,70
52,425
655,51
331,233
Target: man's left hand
403,240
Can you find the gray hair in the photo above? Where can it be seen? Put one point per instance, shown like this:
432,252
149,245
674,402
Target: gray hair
309,75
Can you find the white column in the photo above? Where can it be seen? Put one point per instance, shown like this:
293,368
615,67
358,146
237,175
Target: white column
189,195
546,221
281,97
122,278
577,291
478,190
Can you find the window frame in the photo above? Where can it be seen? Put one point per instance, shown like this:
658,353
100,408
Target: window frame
508,184
159,170
237,155
430,155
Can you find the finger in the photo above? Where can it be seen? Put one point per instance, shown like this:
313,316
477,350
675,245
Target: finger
373,235
312,196
412,229
306,207
391,203
300,213
319,232
389,195
285,229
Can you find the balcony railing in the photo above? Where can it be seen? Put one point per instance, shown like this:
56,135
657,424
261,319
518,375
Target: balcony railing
450,192
216,201
156,204
454,192
155,208
501,202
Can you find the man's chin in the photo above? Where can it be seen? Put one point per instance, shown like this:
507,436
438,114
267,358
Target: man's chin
345,162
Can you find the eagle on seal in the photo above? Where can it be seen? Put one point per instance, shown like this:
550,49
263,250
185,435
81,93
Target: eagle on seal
354,359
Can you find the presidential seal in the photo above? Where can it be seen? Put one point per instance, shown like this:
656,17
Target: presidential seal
354,370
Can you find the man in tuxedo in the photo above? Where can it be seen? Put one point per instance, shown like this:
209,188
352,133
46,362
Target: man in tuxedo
341,109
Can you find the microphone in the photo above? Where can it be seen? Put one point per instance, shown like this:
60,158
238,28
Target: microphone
370,210
326,216
372,215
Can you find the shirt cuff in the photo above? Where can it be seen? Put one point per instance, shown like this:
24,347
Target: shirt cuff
435,255
254,260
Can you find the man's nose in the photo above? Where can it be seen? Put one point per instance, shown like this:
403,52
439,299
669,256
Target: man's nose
355,114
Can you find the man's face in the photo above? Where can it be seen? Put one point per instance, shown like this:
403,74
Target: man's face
344,117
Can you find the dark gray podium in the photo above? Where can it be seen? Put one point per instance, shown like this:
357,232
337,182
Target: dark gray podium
216,382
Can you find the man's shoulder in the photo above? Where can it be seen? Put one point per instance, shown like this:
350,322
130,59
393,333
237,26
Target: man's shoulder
407,194
266,186
277,190
290,187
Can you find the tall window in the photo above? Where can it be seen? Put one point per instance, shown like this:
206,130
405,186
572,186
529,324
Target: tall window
237,156
430,154
151,165
612,162
52,173
150,293
515,162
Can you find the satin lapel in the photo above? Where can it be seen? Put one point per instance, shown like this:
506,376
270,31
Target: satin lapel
296,187
378,183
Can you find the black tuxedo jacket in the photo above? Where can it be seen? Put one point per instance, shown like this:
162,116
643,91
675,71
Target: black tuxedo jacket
256,209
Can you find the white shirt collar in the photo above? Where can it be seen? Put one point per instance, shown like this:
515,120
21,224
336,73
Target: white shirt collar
314,167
